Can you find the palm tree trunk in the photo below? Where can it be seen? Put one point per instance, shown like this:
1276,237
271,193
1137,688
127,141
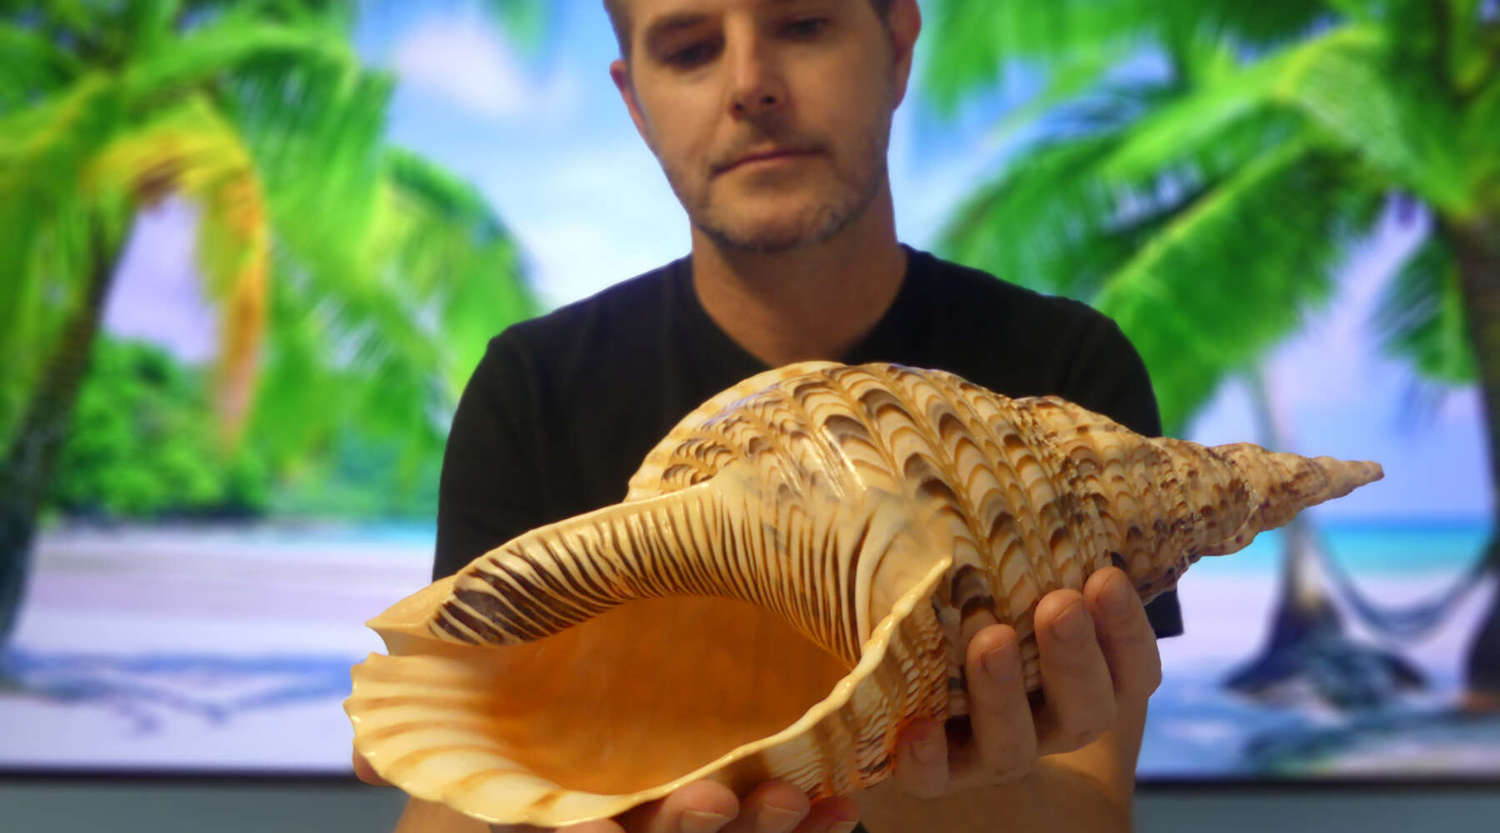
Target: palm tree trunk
1478,248
1308,648
1302,608
32,457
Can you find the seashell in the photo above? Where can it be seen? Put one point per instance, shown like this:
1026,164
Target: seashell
783,589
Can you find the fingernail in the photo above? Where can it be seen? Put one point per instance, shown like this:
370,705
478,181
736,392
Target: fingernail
697,821
1116,599
843,827
927,748
775,819
995,665
1073,625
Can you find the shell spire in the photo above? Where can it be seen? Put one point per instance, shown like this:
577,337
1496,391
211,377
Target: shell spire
1284,484
1163,503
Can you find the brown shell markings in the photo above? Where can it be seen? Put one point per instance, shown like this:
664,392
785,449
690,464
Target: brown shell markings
783,589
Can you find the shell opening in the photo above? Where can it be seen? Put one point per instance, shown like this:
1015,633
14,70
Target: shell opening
648,691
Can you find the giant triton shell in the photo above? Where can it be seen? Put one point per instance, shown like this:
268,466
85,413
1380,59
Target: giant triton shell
782,590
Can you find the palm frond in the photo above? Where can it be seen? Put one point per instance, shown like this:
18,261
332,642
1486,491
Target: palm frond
58,15
981,38
1045,222
150,24
1199,115
301,402
1066,86
34,66
349,353
193,151
1054,219
1477,145
1344,82
446,240
1420,317
46,241
1232,273
316,133
389,345
1360,91
209,52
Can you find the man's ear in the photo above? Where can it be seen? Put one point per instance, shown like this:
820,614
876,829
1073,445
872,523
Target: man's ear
905,25
619,72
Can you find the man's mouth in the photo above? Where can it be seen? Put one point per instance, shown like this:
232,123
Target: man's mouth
766,156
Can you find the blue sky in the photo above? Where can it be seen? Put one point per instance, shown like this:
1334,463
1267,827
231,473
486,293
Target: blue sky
547,140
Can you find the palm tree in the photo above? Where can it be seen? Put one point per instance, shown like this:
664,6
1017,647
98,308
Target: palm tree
353,278
1204,165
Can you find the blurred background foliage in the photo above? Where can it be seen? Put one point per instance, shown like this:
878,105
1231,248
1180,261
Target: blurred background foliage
356,282
1199,170
142,445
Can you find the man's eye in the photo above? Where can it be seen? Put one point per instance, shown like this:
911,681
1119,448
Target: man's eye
691,56
806,28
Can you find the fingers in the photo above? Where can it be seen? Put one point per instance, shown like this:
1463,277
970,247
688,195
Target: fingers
922,759
709,807
1005,740
1079,691
831,815
699,807
772,807
779,807
599,826
1125,634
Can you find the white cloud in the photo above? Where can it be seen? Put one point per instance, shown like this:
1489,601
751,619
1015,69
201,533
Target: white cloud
462,58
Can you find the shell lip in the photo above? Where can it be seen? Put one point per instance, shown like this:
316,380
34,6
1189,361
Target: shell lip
872,653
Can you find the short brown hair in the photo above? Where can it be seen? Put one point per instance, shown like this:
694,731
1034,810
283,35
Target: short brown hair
621,23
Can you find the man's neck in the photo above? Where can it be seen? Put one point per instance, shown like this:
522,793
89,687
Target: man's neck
814,302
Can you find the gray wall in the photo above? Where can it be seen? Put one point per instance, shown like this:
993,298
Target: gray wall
289,807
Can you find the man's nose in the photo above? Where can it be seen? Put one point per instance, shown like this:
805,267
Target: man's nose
756,84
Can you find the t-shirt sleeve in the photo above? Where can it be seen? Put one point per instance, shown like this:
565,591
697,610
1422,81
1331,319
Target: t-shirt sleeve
1108,376
487,493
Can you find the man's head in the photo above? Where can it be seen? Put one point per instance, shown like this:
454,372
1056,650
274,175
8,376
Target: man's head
810,85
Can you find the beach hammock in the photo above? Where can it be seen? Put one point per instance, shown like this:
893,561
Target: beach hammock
1412,621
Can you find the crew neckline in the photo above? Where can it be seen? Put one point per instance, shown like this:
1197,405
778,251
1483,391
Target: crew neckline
895,326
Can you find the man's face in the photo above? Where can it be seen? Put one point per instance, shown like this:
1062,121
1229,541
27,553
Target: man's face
770,117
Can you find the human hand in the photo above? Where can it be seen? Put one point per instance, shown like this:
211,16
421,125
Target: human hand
702,807
710,807
1097,651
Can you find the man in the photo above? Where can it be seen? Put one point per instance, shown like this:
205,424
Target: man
771,119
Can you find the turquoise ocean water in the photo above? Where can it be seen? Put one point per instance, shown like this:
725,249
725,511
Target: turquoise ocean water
1378,546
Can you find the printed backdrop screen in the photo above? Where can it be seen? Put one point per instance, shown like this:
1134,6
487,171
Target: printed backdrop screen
274,248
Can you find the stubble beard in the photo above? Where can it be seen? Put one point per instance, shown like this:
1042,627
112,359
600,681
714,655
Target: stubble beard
855,190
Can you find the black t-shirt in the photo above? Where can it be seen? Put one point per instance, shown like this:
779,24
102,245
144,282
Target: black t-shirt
562,408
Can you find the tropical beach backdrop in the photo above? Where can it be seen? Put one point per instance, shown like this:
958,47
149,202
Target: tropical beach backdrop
250,252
